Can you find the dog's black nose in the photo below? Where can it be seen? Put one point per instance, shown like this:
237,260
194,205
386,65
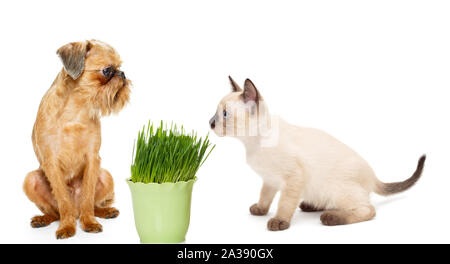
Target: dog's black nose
212,123
121,74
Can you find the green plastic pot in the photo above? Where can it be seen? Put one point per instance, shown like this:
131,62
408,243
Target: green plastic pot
161,210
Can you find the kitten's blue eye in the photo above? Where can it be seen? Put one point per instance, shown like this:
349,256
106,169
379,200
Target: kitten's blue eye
225,114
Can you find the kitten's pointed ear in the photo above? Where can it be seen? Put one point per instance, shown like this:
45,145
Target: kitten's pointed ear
234,86
250,92
73,56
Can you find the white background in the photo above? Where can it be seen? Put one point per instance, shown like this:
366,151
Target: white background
374,74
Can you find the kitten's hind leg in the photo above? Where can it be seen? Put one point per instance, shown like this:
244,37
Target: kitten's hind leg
347,216
353,207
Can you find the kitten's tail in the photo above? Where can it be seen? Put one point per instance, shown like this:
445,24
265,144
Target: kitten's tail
396,187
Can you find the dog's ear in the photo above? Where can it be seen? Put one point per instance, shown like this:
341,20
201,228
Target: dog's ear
234,86
250,92
73,56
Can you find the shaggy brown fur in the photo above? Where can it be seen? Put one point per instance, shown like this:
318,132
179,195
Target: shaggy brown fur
70,183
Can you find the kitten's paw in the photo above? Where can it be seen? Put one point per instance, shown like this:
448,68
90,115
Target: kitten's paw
306,207
256,210
331,219
276,224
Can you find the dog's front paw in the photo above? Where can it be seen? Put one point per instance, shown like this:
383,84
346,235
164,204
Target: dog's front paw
65,232
257,210
92,227
107,212
276,224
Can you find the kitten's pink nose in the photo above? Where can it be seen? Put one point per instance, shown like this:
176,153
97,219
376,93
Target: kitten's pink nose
212,123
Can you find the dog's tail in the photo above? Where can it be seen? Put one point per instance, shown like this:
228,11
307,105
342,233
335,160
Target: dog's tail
396,187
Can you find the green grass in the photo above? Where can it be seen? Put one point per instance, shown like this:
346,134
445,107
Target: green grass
165,154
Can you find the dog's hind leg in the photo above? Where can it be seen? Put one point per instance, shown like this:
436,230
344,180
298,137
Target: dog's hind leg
104,196
38,190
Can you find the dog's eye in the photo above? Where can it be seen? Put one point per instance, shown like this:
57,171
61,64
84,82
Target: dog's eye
109,72
225,114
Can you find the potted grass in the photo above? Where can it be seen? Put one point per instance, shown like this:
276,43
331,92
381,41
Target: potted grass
164,164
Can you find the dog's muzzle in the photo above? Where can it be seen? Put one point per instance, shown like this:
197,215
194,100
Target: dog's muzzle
121,74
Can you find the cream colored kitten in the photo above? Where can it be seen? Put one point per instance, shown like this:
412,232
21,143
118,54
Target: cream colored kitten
304,163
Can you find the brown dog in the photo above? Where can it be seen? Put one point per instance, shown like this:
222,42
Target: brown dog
66,139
